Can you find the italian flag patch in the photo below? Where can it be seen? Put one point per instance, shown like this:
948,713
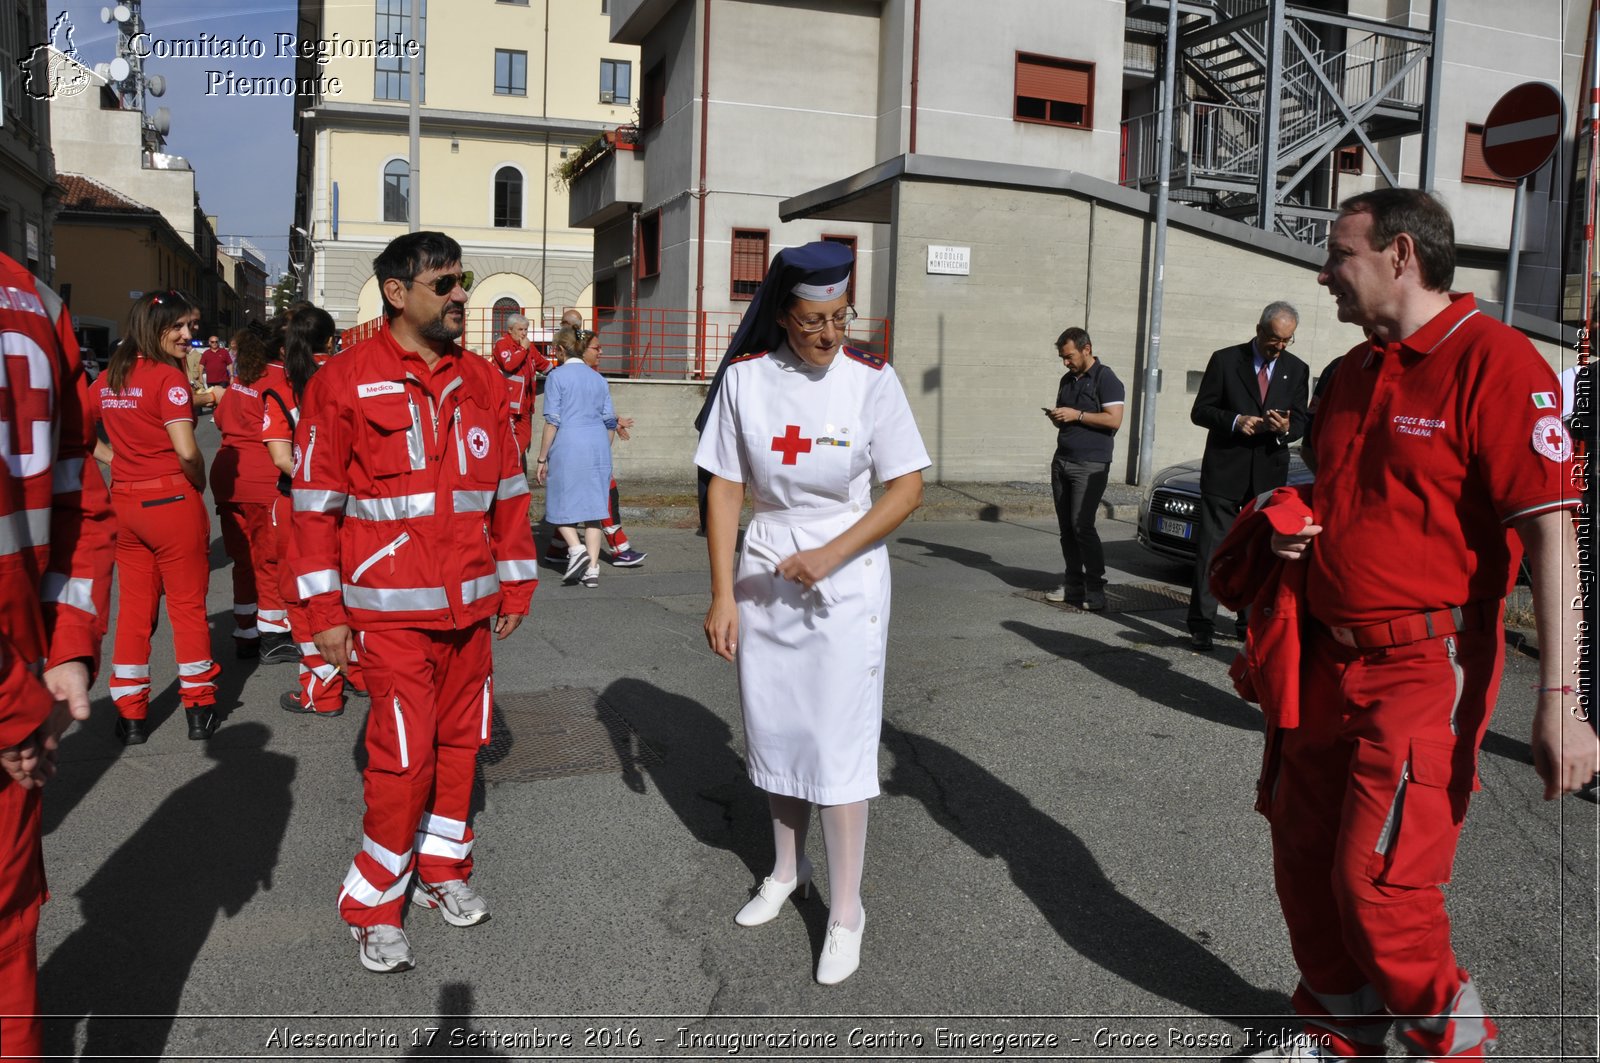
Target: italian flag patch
1544,400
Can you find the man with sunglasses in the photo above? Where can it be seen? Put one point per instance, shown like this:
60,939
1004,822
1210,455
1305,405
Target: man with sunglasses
1252,403
412,549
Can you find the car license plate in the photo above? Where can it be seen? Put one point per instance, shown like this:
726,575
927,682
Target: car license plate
1178,529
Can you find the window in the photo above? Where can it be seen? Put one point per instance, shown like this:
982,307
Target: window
749,264
508,198
850,242
1054,91
519,3
510,73
1473,169
397,190
504,307
616,81
1351,158
393,72
653,97
648,254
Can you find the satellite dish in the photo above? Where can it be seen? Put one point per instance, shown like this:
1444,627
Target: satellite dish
120,69
105,14
104,70
157,85
121,13
163,121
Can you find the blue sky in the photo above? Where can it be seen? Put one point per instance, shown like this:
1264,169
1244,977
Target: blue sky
242,148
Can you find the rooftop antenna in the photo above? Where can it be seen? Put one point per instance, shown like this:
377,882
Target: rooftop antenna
126,73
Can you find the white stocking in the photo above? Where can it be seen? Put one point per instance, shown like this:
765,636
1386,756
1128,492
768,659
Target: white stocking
791,816
844,831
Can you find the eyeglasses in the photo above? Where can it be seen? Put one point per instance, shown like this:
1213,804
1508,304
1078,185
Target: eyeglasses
816,322
1270,340
170,293
446,284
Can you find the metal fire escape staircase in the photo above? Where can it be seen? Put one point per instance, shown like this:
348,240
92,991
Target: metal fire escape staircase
1267,92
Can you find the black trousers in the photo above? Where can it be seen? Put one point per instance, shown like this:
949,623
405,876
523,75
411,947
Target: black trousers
1078,487
1217,514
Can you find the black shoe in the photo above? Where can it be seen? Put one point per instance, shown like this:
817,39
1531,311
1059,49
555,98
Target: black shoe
1095,601
278,648
290,702
1200,641
131,732
202,723
246,649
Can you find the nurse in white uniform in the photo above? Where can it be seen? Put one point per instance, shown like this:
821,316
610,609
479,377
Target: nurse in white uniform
805,424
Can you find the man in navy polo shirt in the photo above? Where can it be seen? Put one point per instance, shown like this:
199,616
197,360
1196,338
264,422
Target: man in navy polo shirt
1087,414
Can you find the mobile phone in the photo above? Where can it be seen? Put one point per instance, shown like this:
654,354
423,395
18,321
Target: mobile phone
1046,409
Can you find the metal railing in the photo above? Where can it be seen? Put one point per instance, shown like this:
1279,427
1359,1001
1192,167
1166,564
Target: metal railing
637,343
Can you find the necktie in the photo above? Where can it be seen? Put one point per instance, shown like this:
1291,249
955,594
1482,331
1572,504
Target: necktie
1263,377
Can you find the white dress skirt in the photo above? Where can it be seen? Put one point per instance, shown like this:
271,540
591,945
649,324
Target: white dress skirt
807,443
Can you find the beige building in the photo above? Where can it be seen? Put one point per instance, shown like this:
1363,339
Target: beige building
510,90
27,190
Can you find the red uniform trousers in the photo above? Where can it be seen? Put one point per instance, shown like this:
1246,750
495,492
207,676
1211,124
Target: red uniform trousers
522,428
257,597
163,544
19,982
321,684
1366,798
431,698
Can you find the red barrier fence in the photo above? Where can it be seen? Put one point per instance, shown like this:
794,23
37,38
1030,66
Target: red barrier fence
641,343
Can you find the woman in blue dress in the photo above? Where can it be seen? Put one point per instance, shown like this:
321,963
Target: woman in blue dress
574,463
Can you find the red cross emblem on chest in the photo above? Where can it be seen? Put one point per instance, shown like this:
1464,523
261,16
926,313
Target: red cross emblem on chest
21,404
790,445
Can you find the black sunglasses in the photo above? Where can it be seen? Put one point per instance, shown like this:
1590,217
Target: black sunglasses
446,284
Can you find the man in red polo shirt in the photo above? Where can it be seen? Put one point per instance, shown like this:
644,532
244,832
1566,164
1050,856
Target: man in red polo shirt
1436,441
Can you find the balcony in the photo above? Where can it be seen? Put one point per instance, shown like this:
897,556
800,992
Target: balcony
605,181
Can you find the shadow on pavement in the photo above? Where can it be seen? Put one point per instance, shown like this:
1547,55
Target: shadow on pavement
1061,877
703,780
452,1034
90,749
149,909
1027,579
1148,675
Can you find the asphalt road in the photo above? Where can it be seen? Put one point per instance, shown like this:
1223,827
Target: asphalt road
1064,862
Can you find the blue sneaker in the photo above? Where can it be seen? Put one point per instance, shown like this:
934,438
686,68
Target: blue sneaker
628,558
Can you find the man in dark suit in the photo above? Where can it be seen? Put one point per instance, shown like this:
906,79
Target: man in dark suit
1252,403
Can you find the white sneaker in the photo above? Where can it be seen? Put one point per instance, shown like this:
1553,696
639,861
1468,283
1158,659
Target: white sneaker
384,948
577,561
841,953
459,903
1298,1047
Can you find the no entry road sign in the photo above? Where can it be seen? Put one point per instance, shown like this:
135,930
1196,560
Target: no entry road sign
1522,130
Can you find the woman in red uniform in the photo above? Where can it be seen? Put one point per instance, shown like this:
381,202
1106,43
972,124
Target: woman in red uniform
308,337
244,484
158,494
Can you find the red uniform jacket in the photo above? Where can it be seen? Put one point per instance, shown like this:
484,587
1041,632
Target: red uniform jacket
519,366
409,510
56,545
1245,571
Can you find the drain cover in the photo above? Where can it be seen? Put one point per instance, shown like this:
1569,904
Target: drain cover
1126,598
557,733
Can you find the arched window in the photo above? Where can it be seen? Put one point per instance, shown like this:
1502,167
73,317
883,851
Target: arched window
503,308
396,190
508,198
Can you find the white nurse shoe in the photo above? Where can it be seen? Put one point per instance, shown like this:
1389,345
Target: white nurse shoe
841,953
770,895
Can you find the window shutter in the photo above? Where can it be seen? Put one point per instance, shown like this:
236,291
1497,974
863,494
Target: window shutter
1047,81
